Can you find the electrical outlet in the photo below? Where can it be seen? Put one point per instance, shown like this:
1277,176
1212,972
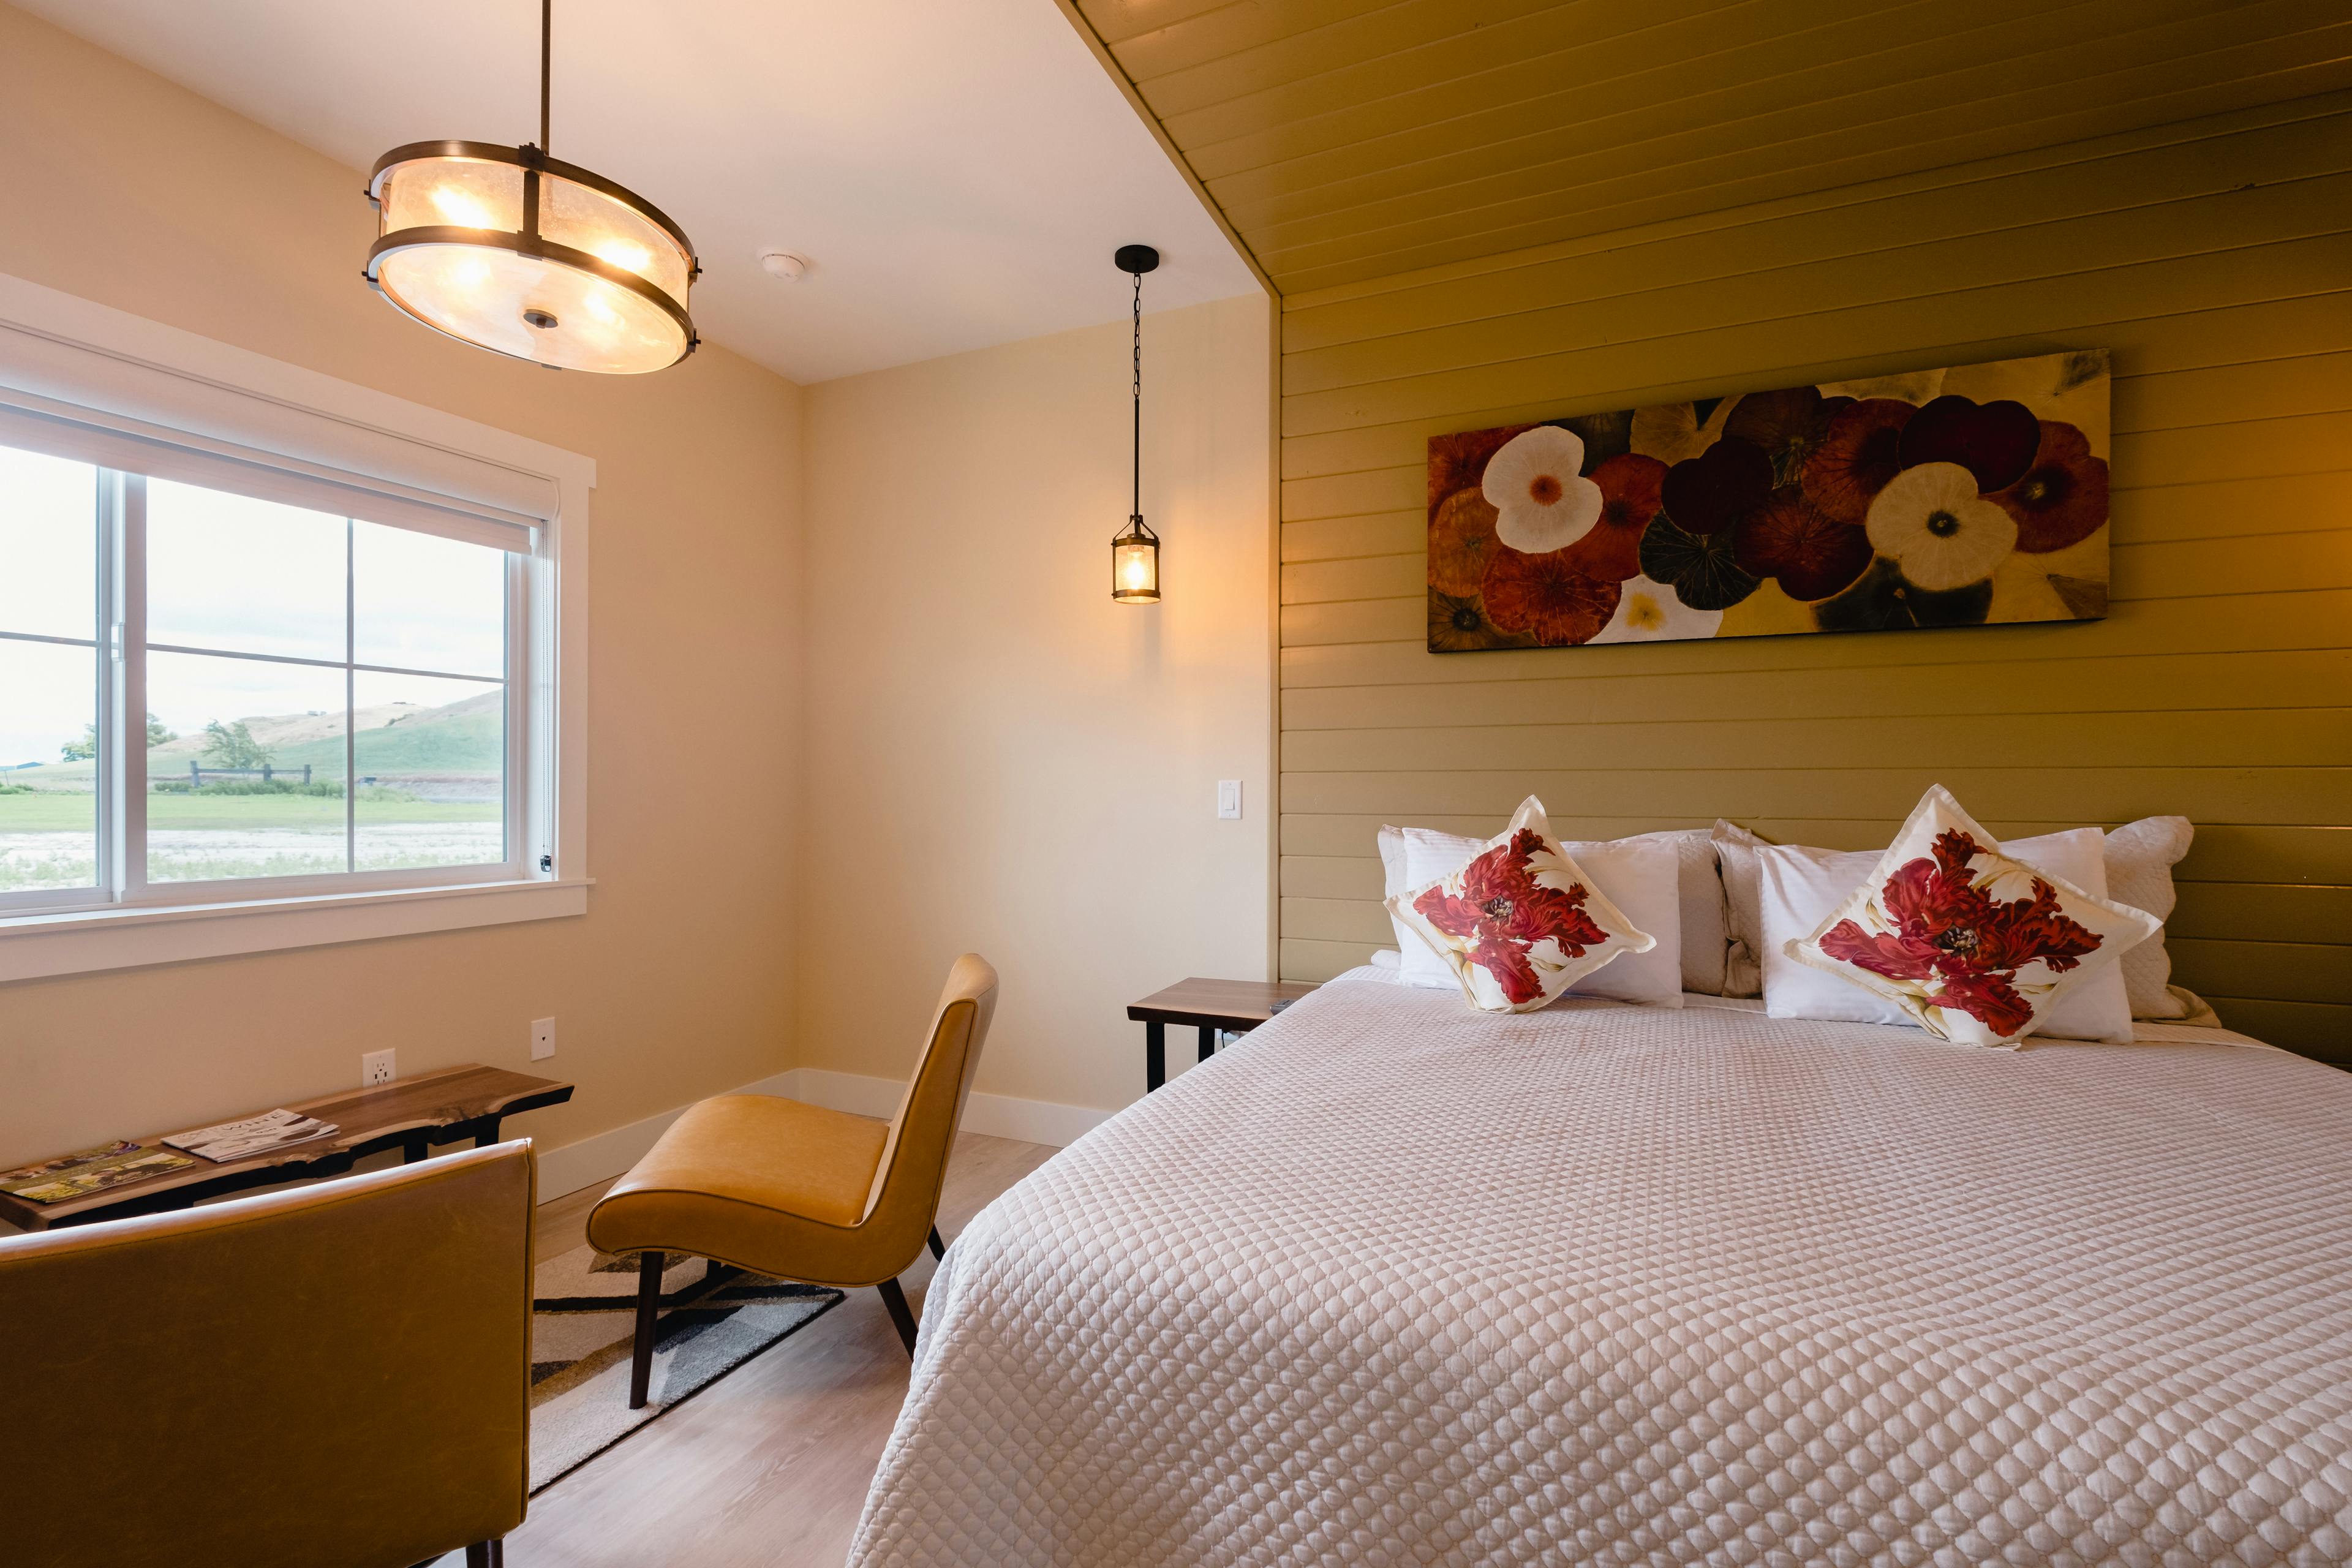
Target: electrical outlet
376,1069
1229,800
542,1039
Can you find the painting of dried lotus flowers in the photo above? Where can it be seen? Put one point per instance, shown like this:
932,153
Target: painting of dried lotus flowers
1969,496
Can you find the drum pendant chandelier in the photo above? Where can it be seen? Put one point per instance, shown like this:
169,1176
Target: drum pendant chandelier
513,251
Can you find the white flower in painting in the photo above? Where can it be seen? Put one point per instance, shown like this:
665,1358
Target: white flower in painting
1930,521
1541,502
1653,612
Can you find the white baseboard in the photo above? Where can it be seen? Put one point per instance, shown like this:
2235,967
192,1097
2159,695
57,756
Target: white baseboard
608,1154
997,1115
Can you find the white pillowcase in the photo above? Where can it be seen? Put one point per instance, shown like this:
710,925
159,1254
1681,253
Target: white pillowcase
2139,857
1640,876
1700,940
1798,886
1701,885
1743,930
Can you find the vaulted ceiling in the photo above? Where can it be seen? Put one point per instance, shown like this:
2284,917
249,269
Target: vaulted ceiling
1350,139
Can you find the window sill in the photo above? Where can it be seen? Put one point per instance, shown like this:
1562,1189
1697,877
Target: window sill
35,946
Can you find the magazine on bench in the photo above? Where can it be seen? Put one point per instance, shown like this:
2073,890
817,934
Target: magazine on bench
263,1134
88,1171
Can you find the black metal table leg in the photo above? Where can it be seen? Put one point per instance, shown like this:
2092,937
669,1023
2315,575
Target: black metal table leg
488,1133
1208,1042
1155,1055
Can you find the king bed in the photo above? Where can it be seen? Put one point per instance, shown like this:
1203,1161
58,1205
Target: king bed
1397,1282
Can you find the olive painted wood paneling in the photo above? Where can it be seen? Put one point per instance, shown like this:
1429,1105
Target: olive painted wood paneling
2214,260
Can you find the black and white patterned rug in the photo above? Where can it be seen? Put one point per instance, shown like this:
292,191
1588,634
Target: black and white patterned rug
583,1316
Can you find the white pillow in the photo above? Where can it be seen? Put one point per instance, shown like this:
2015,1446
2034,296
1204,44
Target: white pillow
1701,886
1798,886
1520,923
1743,929
1643,877
2140,857
1698,942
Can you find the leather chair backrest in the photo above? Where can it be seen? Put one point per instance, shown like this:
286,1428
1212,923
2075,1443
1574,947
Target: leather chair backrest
338,1373
914,1156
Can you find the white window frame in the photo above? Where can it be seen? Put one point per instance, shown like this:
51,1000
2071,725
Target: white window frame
70,358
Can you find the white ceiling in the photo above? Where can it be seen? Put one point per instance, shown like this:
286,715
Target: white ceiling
957,172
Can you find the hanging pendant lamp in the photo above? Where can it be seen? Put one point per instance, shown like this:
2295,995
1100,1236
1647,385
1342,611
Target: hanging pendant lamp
1135,554
513,251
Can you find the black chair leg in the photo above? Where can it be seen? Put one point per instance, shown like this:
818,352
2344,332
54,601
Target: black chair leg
938,1248
641,1360
484,1554
896,1299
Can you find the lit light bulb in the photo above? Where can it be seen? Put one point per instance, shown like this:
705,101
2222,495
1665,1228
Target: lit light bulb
622,254
1134,574
462,208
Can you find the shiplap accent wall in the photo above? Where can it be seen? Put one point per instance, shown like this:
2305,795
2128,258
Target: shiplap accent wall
2213,257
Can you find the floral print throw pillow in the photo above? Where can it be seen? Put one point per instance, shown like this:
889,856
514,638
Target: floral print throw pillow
1974,944
1521,922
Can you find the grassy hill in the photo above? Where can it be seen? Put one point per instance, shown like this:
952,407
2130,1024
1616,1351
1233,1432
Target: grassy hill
467,736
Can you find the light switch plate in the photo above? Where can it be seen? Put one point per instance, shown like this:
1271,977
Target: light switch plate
1229,800
542,1039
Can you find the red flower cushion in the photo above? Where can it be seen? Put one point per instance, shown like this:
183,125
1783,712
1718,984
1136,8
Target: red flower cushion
1521,922
1973,944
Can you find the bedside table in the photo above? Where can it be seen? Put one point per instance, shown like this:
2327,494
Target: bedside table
1234,1006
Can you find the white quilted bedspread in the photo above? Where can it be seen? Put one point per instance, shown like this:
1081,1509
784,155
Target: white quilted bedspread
1395,1282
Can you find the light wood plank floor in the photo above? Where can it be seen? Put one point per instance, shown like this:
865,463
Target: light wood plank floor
770,1465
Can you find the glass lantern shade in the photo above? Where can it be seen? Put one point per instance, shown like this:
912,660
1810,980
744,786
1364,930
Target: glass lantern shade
513,251
1135,565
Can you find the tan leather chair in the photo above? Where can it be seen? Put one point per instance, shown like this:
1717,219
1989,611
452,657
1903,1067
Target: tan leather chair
779,1187
338,1375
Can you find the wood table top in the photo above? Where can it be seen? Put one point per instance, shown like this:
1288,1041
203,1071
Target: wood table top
361,1116
1224,1004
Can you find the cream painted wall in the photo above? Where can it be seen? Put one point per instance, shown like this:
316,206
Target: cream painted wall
117,186
1000,759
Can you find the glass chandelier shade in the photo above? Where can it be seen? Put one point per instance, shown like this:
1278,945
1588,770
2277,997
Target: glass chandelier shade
520,253
513,251
1135,564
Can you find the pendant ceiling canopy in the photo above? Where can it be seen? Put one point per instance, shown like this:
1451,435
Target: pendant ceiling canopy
520,253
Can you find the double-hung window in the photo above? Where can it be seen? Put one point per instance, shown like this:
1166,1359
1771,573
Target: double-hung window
233,679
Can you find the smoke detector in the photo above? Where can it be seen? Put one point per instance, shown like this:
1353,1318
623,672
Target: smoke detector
784,265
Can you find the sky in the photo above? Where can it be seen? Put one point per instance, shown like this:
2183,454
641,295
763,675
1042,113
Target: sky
234,574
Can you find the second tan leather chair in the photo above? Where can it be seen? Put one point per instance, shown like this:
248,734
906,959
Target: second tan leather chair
779,1187
338,1375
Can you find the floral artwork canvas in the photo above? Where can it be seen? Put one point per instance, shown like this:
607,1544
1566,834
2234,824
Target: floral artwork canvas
1967,496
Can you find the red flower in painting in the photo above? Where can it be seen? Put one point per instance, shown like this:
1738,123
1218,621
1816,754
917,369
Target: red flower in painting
1546,597
2063,498
1812,553
1611,550
1953,935
1502,913
1862,451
